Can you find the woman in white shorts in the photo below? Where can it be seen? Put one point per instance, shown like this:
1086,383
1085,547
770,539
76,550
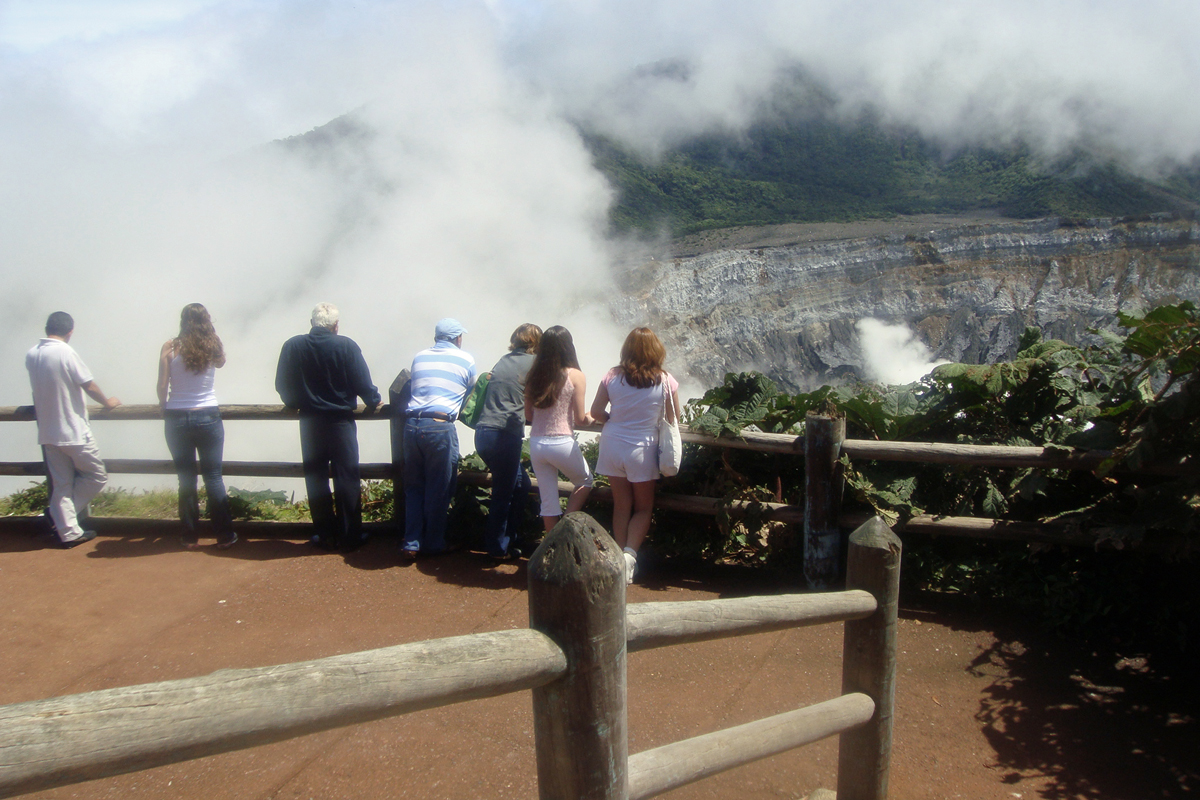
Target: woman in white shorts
554,403
629,401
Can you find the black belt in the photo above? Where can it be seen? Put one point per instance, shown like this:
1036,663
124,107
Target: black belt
438,415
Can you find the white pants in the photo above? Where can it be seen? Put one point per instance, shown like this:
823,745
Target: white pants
78,475
549,455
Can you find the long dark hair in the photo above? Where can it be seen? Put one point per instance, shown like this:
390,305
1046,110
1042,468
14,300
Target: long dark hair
642,357
199,345
556,352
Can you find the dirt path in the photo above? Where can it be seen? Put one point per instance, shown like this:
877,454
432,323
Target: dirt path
984,709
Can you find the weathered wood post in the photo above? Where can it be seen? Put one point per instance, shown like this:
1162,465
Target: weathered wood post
823,437
869,661
399,393
577,598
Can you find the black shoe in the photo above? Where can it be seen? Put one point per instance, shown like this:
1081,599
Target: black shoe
86,537
408,556
46,525
349,546
447,550
228,544
322,543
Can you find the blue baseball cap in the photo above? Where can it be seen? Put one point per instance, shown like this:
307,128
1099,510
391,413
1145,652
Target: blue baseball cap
449,328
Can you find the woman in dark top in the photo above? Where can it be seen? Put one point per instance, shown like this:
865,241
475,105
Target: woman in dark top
498,437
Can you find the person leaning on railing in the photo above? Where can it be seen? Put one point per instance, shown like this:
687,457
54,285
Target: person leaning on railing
323,375
554,405
187,367
442,377
499,433
60,380
629,402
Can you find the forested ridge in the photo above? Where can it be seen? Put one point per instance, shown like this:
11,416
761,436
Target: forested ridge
813,168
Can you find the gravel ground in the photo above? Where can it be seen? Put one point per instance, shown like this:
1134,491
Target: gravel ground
986,708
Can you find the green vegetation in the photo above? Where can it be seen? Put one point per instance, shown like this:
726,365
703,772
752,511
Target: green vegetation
816,169
26,502
164,503
154,504
1137,396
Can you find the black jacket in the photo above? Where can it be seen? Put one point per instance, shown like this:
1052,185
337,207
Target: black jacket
320,372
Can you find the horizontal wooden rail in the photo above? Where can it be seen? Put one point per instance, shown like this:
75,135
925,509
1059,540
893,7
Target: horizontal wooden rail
967,527
970,455
152,412
237,469
650,625
664,768
64,740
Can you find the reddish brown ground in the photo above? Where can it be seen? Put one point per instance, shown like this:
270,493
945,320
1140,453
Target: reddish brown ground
985,707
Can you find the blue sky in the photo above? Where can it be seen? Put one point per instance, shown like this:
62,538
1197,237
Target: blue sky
29,25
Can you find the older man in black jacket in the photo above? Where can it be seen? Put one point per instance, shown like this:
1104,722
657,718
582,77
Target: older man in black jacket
323,375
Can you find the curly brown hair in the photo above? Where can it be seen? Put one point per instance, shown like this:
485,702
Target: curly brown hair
198,344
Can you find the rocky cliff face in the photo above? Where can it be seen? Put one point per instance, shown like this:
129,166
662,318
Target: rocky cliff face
789,309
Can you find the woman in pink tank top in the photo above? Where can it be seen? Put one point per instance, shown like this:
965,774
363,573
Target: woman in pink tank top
554,404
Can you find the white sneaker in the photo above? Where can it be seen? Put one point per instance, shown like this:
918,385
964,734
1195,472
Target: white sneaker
630,566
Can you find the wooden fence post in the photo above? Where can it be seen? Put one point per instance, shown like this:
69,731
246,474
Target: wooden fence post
869,661
577,598
823,437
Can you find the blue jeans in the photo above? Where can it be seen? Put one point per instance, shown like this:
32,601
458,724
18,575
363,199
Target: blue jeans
331,441
430,478
501,451
199,432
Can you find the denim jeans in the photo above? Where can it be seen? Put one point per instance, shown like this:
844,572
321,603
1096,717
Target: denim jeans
430,478
501,451
199,432
331,440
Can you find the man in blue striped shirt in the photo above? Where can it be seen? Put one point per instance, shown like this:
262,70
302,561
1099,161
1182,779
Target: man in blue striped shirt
441,378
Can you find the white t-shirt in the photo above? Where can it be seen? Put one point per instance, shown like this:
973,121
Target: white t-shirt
57,375
633,413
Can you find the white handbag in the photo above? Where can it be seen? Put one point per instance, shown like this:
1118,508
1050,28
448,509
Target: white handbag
670,445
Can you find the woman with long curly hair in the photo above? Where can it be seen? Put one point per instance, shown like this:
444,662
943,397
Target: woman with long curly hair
187,368
554,404
630,400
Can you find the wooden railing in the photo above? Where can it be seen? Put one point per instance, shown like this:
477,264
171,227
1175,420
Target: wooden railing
573,657
823,519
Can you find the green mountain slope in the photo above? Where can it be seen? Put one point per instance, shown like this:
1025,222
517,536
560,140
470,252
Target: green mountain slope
815,170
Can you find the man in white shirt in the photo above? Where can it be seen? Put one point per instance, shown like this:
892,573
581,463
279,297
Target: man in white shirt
60,380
